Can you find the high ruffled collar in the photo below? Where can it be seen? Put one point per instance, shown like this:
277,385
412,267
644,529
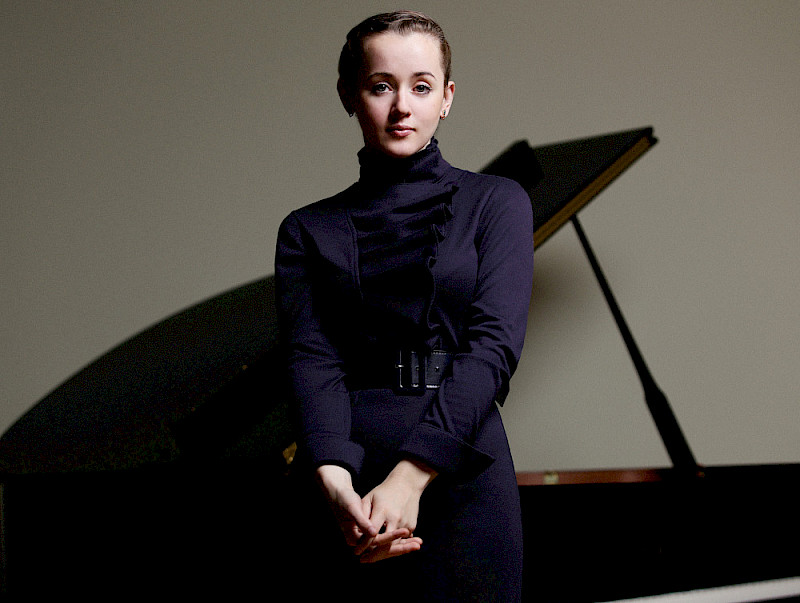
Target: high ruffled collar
379,170
399,225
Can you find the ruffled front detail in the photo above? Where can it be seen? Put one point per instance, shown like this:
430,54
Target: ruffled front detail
399,226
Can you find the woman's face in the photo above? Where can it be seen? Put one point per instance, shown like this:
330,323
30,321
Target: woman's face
401,92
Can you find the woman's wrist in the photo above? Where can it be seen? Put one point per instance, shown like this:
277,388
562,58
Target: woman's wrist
334,476
413,473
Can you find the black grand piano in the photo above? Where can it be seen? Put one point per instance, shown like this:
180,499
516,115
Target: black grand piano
163,468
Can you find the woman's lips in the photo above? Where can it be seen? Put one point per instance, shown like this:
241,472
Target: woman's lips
400,131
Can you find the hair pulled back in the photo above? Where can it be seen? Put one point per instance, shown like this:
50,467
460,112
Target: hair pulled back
402,22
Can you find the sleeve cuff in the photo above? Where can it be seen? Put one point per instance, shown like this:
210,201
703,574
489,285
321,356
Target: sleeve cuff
445,453
332,450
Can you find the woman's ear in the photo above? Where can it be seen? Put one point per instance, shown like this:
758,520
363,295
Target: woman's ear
449,91
346,96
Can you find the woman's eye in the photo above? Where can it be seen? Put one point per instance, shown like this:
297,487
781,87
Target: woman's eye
422,88
378,88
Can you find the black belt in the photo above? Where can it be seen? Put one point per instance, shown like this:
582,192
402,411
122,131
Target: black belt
407,372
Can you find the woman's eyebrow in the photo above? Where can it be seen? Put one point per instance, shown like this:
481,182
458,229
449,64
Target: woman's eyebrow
385,74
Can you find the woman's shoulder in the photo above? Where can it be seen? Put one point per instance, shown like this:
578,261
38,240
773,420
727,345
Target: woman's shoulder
493,199
334,203
491,192
488,182
320,215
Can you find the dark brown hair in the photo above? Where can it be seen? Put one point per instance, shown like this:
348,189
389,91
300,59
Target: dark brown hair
402,22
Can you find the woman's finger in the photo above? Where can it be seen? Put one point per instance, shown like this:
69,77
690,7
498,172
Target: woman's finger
360,520
382,540
389,537
396,548
352,534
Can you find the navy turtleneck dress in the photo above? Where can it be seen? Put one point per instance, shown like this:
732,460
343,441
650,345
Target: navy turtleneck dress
417,255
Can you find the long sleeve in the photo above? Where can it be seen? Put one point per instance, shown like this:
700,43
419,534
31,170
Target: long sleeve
495,331
315,373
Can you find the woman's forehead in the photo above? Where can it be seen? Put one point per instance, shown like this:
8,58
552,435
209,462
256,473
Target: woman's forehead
410,53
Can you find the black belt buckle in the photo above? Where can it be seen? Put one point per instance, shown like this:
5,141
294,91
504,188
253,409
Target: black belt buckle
410,369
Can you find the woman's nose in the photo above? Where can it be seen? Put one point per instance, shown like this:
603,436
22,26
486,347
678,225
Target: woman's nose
401,105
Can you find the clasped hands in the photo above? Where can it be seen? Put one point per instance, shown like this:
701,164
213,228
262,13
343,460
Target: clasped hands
381,524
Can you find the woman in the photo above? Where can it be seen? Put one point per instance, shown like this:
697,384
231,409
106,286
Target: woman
403,303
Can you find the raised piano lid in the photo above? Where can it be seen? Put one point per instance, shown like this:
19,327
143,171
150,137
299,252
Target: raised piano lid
562,178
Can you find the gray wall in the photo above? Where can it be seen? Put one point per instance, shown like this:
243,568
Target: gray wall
149,151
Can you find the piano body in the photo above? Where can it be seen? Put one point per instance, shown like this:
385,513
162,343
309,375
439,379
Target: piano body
164,466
